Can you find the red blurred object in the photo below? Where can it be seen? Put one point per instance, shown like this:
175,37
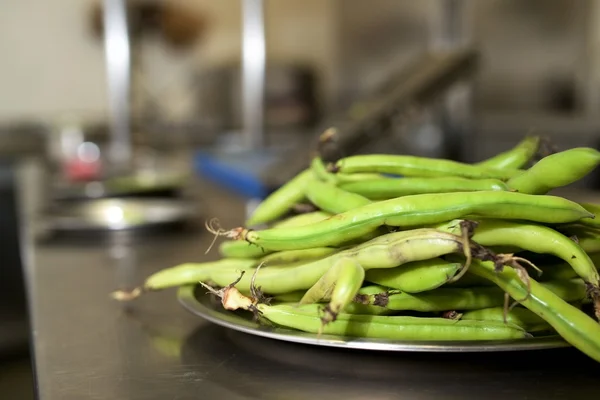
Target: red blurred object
79,170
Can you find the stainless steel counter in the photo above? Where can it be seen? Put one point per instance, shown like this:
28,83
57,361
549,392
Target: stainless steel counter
89,347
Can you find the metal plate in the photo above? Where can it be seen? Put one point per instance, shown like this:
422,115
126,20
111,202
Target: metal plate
119,186
196,300
118,214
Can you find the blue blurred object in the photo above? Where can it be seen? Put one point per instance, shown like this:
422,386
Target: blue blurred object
238,169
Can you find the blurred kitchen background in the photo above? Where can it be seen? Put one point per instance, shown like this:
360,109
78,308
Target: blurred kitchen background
442,78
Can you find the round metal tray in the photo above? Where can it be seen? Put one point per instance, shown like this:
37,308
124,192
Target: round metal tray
116,214
196,300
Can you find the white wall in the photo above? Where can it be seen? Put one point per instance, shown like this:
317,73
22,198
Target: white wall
52,65
49,64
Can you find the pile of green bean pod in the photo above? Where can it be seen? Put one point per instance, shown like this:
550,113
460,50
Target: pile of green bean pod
403,247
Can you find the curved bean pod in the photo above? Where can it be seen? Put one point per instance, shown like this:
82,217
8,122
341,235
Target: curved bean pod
406,165
538,239
519,316
338,285
594,209
386,188
333,199
320,171
307,318
515,158
588,238
556,170
415,277
572,324
281,200
386,251
416,210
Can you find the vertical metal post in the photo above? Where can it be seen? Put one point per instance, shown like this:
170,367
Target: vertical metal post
451,32
118,69
253,72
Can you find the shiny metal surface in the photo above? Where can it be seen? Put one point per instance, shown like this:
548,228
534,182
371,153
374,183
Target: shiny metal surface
253,72
197,301
118,68
89,347
126,185
117,214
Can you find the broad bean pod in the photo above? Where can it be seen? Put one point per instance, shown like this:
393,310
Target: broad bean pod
515,158
412,211
519,316
294,256
443,299
416,276
406,165
556,170
237,249
594,209
587,237
320,172
386,251
538,239
387,188
352,308
184,274
338,285
307,318
281,200
302,219
572,324
333,199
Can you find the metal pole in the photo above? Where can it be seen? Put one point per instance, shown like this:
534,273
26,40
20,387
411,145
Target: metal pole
253,72
118,68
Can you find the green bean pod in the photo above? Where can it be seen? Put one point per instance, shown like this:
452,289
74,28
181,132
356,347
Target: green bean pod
515,158
281,200
289,297
237,249
469,280
587,237
538,239
307,318
415,277
351,308
302,219
443,299
332,199
519,316
572,324
338,285
556,170
386,251
387,188
559,271
294,256
321,173
594,209
416,210
406,165
183,274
